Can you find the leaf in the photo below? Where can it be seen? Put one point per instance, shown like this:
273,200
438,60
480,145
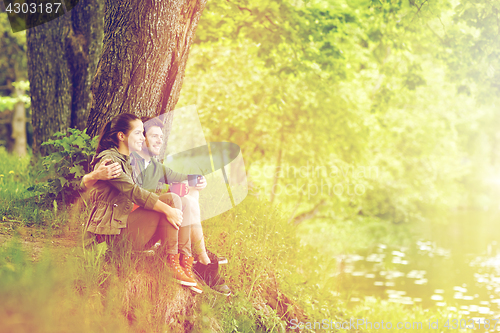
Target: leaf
7,103
63,181
48,142
66,146
80,142
101,249
77,170
24,85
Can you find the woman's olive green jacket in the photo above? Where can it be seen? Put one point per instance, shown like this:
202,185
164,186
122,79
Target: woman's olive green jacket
112,200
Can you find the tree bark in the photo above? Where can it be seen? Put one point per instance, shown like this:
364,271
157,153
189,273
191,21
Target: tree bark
141,70
62,57
83,49
19,126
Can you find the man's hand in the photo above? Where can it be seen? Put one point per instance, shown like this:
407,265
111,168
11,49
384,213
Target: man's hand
106,172
103,172
202,184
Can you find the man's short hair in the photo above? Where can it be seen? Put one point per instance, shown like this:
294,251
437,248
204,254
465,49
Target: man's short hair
151,122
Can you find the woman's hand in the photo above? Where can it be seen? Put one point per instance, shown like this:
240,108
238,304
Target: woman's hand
174,216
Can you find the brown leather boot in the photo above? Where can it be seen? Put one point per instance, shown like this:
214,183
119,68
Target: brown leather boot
186,263
178,271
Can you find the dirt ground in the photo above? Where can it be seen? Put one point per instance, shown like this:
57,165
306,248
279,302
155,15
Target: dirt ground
36,241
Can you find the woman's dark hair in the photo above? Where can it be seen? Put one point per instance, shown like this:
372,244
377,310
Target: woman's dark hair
108,138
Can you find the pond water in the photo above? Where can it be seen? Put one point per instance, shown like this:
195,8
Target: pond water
456,266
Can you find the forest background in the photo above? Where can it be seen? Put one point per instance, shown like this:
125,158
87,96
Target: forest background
345,111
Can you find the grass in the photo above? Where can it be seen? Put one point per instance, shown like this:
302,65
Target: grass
18,205
139,291
91,293
275,278
350,236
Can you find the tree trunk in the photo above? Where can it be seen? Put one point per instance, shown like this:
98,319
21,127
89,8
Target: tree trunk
19,126
62,57
83,50
146,47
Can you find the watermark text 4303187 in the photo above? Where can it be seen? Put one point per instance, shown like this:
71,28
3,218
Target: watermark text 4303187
26,14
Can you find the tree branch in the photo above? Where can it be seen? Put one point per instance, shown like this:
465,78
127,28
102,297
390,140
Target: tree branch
423,3
271,21
241,8
418,8
6,87
428,26
310,214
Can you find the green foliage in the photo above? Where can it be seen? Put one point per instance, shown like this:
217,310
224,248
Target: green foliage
7,102
13,63
18,207
473,53
60,172
356,234
365,84
23,85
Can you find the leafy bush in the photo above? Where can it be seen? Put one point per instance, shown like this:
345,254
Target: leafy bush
60,172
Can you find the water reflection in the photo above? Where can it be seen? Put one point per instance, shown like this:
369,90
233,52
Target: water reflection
427,275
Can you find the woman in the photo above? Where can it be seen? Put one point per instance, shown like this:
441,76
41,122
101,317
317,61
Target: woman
111,219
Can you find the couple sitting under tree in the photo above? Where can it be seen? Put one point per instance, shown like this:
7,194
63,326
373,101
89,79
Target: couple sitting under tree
126,209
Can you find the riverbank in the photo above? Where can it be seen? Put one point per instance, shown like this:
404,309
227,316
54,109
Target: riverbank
277,282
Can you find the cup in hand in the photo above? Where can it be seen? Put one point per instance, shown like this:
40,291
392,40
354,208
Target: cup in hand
180,189
194,180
